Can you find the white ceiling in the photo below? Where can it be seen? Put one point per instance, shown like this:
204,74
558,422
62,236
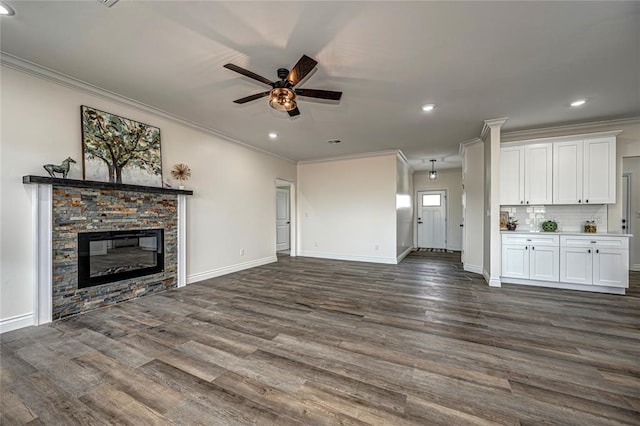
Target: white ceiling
474,60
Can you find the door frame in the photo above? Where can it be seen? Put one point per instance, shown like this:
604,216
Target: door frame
629,215
418,205
293,228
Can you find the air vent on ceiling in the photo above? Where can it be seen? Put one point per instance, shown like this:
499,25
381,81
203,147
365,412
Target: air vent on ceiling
108,3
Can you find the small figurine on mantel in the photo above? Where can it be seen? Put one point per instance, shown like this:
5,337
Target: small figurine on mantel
181,172
62,168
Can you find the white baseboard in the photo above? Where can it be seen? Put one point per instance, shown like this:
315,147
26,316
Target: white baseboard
492,281
336,256
404,254
566,286
473,268
16,322
200,276
635,267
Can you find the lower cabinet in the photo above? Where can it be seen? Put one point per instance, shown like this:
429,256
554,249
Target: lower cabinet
579,261
602,261
531,257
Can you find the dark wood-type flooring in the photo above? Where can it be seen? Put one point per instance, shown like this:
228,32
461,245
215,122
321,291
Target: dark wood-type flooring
309,341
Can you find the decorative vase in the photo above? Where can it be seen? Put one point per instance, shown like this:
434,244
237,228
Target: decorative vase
512,226
549,226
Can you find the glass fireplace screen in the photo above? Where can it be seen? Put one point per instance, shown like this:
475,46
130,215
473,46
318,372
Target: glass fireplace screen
110,256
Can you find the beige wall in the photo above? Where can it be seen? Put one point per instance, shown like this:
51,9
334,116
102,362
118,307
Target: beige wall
404,207
473,181
233,206
451,181
347,209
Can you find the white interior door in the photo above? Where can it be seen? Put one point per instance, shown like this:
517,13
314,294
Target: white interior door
432,219
283,220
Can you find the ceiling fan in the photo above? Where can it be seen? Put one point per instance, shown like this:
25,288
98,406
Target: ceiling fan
282,96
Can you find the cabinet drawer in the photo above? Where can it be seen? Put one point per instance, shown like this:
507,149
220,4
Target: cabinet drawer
532,239
594,241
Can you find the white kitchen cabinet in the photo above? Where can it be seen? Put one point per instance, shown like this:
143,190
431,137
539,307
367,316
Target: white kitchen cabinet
584,171
599,184
593,260
526,174
530,257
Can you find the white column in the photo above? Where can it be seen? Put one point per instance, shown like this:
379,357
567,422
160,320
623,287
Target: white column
42,227
182,240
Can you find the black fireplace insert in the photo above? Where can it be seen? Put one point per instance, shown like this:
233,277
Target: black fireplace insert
110,256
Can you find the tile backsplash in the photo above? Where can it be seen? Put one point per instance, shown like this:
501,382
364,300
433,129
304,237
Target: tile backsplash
569,218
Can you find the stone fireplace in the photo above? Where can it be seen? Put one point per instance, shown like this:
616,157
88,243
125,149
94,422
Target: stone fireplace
100,243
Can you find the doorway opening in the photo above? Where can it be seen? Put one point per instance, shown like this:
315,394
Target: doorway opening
285,208
432,219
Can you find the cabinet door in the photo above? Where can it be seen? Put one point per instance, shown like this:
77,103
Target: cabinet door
515,261
512,175
538,161
576,265
600,171
611,267
567,172
544,263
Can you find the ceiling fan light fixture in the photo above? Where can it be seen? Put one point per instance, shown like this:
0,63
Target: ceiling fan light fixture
282,99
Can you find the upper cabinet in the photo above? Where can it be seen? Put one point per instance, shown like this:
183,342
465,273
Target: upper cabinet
564,170
526,174
599,184
584,171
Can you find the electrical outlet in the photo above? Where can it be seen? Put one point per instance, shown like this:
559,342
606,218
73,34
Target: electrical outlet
241,252
377,247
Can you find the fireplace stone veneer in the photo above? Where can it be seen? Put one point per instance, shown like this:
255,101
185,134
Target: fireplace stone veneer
62,208
76,210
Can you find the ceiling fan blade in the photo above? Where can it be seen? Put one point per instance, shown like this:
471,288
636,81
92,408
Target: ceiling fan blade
322,94
304,66
294,112
249,74
251,98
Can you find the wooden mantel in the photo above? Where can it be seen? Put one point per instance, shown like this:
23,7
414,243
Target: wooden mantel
76,183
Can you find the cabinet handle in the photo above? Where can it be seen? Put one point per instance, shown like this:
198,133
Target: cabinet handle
579,201
526,247
533,248
589,251
597,251
527,202
586,201
521,202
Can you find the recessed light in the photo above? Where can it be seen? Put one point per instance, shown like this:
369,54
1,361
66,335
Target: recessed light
579,102
428,107
6,10
273,135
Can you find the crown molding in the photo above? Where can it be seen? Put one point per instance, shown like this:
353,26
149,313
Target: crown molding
569,128
489,124
31,68
572,136
396,152
465,144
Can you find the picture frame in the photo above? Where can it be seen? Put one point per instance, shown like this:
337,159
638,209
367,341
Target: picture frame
504,218
119,150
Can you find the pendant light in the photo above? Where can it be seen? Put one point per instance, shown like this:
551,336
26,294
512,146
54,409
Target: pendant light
433,175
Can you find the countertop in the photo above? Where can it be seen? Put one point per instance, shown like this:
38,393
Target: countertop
584,234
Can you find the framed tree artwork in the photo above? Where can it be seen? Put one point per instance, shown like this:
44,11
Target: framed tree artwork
119,150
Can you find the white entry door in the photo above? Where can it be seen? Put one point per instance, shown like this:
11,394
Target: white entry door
432,219
283,221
